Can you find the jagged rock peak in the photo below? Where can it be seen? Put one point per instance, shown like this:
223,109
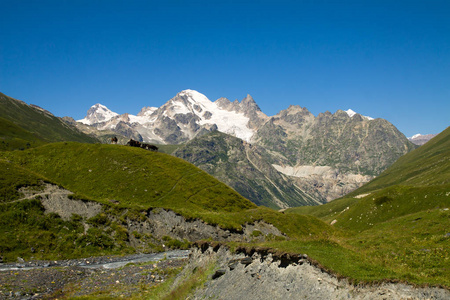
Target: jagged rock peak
249,103
345,114
224,103
293,110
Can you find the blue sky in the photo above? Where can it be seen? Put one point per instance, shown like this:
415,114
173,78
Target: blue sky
386,59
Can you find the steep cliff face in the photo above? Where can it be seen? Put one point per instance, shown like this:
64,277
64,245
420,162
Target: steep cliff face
244,167
331,154
350,144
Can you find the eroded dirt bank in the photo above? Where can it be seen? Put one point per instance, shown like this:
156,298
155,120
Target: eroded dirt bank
264,275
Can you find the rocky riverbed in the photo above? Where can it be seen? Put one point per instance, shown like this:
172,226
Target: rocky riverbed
112,276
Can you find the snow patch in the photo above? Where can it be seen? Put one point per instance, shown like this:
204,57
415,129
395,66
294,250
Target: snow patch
415,136
229,122
351,113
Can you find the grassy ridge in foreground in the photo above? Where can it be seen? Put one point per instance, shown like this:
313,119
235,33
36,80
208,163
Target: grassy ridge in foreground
107,172
134,177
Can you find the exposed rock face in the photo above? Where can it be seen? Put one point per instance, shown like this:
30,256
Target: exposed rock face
245,168
263,275
350,144
158,223
332,154
162,223
56,200
323,182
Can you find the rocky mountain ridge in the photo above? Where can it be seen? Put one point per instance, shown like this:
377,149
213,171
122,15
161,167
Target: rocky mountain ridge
351,148
180,119
246,168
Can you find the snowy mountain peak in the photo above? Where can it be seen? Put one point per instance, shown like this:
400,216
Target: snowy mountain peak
351,113
98,113
415,136
209,113
420,139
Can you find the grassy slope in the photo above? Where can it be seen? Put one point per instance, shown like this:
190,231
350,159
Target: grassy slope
143,179
136,178
13,136
26,231
401,221
24,125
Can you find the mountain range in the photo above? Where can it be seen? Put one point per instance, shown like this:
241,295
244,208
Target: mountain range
82,199
322,157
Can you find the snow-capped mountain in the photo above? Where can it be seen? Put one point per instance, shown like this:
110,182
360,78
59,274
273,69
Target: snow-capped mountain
420,139
181,118
98,113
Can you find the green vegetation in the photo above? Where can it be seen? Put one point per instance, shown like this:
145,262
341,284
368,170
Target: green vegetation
23,126
13,136
134,177
28,232
186,285
12,178
129,182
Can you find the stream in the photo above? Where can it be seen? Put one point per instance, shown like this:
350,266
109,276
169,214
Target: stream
106,262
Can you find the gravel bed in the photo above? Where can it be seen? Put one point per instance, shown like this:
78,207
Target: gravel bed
58,279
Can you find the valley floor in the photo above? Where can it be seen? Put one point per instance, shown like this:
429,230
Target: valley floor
208,273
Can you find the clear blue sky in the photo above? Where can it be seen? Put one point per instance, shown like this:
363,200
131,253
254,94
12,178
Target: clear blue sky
388,59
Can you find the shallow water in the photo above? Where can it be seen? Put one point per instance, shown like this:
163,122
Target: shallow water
110,263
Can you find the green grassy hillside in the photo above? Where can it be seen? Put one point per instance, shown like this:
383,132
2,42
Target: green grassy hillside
23,126
122,178
401,219
139,179
132,176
